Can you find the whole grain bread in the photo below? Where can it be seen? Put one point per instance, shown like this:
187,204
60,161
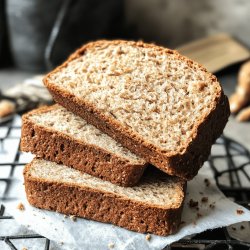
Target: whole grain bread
160,105
153,206
56,134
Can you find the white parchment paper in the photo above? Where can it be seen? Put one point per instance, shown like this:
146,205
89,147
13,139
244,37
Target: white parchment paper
218,211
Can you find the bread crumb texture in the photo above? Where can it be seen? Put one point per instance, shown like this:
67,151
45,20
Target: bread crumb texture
154,189
148,89
64,121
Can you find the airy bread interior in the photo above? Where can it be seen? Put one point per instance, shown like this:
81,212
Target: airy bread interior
58,118
157,189
152,91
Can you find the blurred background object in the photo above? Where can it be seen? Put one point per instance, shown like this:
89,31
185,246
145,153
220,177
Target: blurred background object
4,51
51,30
36,36
241,97
1,26
173,23
215,52
30,24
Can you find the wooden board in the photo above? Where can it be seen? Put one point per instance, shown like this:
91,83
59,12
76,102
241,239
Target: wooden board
215,52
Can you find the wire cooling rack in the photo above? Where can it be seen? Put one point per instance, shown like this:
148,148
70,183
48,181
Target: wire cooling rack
229,161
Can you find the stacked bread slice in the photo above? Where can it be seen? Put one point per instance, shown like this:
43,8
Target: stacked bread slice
121,107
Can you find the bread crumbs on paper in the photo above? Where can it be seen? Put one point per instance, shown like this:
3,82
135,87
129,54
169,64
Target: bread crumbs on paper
207,182
73,217
239,211
148,237
204,199
199,215
111,245
193,203
20,206
212,205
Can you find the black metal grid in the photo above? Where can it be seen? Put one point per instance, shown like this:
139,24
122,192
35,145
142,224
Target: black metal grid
212,239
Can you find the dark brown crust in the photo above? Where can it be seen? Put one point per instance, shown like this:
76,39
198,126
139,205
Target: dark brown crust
61,148
101,206
184,164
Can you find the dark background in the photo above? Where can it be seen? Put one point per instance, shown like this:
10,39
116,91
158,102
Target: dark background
26,25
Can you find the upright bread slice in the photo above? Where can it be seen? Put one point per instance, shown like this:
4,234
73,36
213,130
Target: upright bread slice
56,134
160,105
153,206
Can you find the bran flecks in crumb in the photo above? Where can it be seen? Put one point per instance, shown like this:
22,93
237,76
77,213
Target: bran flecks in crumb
147,101
85,189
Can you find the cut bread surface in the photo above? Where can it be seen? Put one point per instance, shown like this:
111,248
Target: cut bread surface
144,94
153,206
58,118
56,134
156,94
157,189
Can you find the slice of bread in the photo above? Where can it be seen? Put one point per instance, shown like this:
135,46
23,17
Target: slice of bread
56,134
160,105
153,206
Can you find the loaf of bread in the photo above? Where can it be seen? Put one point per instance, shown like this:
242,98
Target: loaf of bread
153,206
56,134
160,105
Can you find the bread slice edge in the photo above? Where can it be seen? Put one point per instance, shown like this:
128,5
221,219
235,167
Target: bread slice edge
104,207
56,146
184,164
